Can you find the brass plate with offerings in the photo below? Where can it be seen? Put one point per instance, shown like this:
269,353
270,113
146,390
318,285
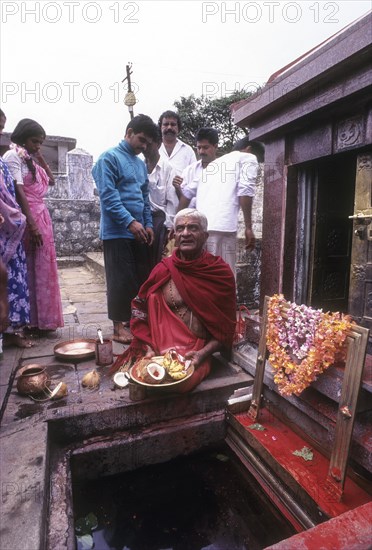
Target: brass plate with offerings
164,371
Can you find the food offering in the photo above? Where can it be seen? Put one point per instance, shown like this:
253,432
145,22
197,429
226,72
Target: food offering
120,379
153,373
175,365
162,371
91,380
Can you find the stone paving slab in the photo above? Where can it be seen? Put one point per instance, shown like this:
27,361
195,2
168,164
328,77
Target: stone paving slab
76,331
24,495
64,295
92,319
3,392
7,364
67,307
80,296
71,272
83,287
43,347
71,318
91,307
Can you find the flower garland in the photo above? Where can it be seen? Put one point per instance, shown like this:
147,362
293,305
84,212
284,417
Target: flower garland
303,342
21,151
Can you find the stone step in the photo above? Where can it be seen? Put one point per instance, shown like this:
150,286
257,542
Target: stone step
95,262
315,410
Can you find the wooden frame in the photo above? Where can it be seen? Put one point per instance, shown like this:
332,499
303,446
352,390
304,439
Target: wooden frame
357,345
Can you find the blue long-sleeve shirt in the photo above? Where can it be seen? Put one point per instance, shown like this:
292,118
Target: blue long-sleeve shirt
122,183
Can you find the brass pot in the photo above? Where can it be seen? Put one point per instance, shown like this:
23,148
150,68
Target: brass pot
32,380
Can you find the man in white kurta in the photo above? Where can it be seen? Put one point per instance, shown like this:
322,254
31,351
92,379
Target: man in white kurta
226,185
162,196
162,193
206,146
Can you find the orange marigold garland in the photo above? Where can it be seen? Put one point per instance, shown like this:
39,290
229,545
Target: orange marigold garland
303,342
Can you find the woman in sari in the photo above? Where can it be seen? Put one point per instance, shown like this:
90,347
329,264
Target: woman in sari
13,258
32,180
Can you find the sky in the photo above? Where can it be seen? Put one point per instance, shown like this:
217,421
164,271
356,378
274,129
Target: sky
63,62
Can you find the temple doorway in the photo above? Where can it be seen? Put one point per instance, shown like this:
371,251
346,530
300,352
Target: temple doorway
331,239
333,249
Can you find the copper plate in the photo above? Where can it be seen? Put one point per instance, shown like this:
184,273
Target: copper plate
75,350
135,376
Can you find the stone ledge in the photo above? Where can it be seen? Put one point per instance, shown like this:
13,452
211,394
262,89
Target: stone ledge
94,262
24,485
70,261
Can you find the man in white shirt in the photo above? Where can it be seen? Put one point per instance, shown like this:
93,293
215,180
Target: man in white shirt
206,146
227,184
175,151
163,198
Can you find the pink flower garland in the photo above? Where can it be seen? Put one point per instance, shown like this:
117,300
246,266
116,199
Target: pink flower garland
21,151
303,342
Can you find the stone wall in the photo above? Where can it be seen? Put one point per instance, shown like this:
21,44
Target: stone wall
248,269
76,225
248,266
74,207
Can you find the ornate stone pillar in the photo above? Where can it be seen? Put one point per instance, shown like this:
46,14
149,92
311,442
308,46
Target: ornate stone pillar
79,172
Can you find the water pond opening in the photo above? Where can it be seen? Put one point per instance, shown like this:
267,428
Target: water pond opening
205,500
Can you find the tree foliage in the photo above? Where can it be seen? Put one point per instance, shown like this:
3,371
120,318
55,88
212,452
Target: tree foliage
196,112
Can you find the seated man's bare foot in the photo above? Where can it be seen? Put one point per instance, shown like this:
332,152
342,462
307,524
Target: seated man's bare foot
17,339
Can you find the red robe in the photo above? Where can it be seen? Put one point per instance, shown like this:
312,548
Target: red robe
207,287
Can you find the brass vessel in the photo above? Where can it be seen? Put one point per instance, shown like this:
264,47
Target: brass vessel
32,380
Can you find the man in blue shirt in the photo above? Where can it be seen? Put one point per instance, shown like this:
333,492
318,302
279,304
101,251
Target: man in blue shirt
126,223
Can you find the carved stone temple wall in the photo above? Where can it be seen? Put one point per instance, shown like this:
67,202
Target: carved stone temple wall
74,207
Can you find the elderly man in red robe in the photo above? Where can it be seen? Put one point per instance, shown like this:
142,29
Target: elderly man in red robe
188,303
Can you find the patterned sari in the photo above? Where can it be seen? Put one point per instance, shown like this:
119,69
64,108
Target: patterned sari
12,251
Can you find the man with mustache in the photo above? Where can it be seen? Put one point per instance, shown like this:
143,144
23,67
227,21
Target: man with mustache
175,151
206,146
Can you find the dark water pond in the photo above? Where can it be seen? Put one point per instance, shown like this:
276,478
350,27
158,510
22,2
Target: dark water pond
201,501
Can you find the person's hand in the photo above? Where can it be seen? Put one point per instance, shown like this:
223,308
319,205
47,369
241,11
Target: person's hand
195,357
177,180
149,352
41,160
139,232
250,239
35,235
150,235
